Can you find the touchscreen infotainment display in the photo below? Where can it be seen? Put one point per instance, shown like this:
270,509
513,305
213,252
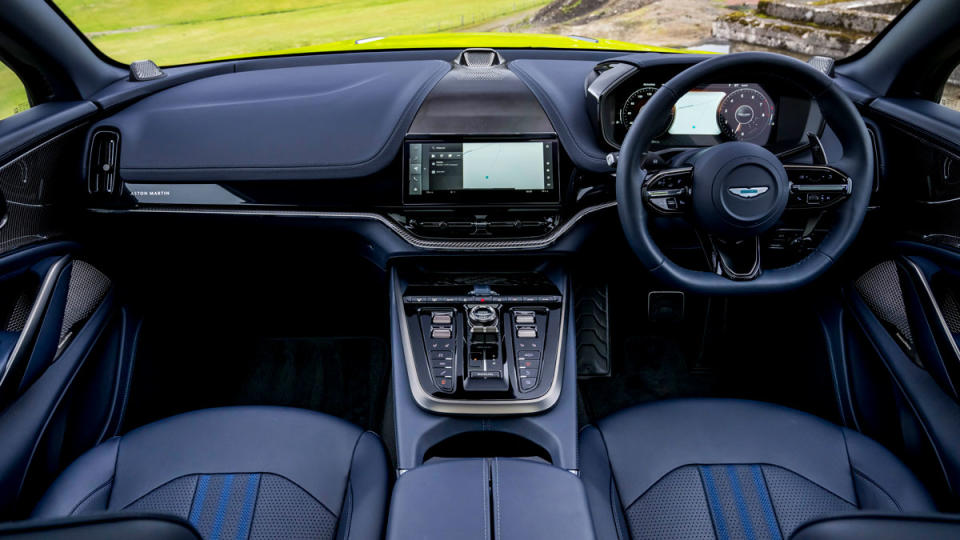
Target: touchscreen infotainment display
478,171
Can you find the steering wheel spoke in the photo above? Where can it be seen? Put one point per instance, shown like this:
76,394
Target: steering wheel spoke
813,187
736,260
667,192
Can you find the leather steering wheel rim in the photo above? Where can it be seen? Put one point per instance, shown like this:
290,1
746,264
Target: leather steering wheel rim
857,163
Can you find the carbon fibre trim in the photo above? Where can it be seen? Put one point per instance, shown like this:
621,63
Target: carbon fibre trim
410,238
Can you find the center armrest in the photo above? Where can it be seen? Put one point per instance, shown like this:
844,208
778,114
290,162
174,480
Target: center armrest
498,498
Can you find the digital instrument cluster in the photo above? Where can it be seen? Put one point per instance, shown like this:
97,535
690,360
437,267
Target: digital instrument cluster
706,115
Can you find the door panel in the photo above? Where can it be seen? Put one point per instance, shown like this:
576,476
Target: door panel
65,342
902,351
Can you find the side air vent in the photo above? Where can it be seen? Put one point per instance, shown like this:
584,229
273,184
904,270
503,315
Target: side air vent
479,58
104,158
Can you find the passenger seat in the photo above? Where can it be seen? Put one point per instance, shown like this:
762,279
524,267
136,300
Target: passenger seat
237,472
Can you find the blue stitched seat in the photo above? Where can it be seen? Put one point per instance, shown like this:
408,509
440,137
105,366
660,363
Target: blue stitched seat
715,468
238,472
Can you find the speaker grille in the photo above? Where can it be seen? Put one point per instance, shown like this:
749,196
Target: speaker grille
34,183
880,289
88,287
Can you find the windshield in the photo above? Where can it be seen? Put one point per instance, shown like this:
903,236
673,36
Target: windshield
187,31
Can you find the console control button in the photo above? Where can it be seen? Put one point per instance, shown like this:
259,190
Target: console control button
483,315
475,361
525,317
441,333
446,372
484,374
526,333
528,355
528,373
444,383
441,318
528,364
528,383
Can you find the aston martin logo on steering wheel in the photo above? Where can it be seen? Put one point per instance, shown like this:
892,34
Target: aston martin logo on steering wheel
748,192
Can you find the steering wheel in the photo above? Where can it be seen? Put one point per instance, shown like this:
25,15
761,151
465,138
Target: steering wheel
735,191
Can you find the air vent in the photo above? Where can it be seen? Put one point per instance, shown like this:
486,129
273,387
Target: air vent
104,158
479,58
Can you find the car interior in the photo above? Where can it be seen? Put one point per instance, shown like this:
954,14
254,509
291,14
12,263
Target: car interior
481,292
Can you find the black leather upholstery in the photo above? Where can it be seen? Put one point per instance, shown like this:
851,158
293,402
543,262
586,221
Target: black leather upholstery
268,471
881,527
101,527
730,468
488,498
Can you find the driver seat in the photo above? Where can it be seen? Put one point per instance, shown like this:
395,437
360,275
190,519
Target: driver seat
723,468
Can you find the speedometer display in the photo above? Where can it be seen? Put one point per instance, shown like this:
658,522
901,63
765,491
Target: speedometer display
745,114
635,101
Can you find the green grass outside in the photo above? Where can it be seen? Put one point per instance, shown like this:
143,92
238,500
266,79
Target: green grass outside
13,98
184,31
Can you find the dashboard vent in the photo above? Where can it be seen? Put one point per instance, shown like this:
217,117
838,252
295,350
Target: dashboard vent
479,58
102,175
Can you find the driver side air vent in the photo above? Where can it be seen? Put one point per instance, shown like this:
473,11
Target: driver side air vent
104,158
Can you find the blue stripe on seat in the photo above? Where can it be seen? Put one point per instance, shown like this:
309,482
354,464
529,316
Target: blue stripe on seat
719,522
221,507
249,499
741,503
765,503
201,494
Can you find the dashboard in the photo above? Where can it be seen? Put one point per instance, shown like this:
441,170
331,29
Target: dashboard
512,154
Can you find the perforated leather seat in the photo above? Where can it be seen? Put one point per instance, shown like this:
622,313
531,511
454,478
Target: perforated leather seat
713,468
238,472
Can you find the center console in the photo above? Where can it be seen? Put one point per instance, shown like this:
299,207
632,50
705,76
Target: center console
484,362
482,343
477,340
